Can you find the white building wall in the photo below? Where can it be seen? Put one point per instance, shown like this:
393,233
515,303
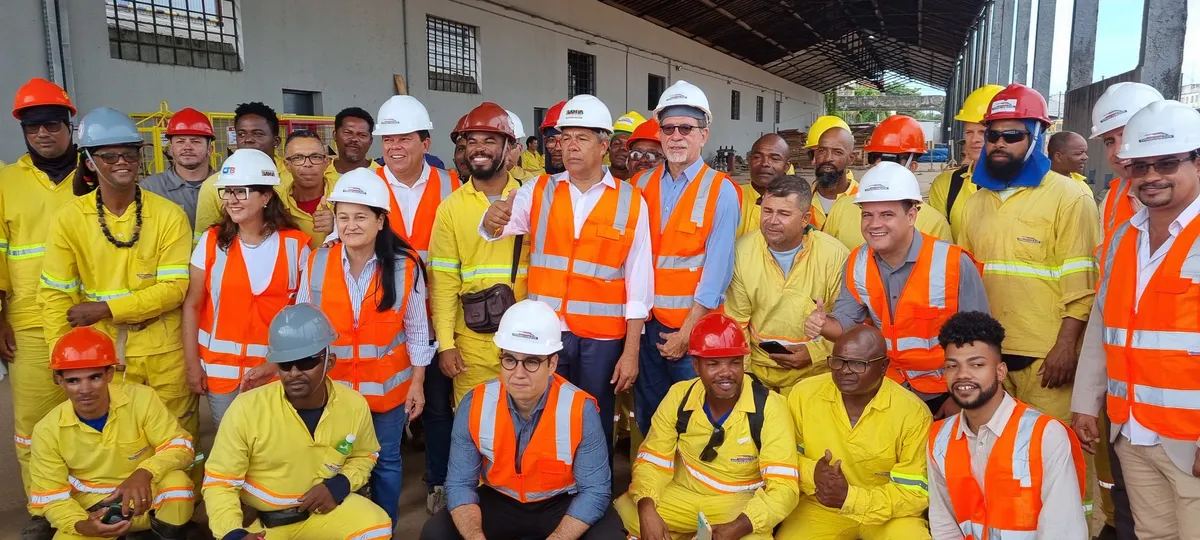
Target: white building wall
349,50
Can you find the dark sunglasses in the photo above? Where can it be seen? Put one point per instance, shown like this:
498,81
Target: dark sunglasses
1010,136
652,157
836,363
304,364
684,130
1162,166
715,441
31,128
111,158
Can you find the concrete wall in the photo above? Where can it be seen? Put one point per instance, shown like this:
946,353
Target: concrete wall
350,53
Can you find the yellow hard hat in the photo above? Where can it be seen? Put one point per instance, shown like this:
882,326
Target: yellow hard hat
976,104
628,122
821,126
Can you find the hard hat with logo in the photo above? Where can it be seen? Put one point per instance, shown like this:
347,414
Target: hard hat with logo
298,332
105,126
83,347
529,327
248,167
628,122
822,125
1118,104
888,181
897,134
458,131
518,126
551,118
717,336
646,131
189,121
490,118
585,111
361,186
402,114
976,104
1161,128
1017,102
686,94
38,92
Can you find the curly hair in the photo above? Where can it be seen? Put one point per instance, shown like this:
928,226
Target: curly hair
353,112
970,327
258,108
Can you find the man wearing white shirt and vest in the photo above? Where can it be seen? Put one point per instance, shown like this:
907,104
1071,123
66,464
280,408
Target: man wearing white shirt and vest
600,279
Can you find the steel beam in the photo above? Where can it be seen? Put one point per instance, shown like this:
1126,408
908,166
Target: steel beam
1083,43
1164,23
1004,75
1021,43
1043,47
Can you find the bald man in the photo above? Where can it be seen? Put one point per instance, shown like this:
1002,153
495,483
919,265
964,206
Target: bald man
768,159
861,439
831,158
1068,155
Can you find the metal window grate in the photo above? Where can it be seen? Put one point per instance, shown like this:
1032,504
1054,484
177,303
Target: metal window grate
735,105
655,86
581,73
758,108
193,33
777,107
453,55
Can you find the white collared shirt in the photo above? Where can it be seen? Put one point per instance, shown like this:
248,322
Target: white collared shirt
408,198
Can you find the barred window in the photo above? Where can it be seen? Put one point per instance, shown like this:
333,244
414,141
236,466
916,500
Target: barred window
581,73
453,55
735,105
758,108
192,33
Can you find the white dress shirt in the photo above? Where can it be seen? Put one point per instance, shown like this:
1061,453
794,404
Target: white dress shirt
408,198
639,267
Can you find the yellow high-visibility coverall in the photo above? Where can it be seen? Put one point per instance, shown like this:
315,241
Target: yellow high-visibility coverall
533,162
332,176
265,458
462,262
939,195
209,206
818,211
143,285
883,460
740,480
751,211
75,467
773,307
845,223
27,201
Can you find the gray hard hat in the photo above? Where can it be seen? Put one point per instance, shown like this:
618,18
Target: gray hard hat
106,126
298,332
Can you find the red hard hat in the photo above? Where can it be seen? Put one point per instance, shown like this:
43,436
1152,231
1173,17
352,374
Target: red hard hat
458,129
1017,102
646,131
897,134
552,115
189,121
83,347
488,117
717,336
39,91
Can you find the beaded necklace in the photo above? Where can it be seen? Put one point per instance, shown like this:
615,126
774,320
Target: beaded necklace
137,227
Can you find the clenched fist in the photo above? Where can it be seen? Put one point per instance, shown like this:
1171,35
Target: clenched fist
815,323
497,216
323,218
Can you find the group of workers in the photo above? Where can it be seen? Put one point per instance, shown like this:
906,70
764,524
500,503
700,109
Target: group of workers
868,366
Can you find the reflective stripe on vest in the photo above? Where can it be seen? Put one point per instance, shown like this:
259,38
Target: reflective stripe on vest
1119,209
1020,457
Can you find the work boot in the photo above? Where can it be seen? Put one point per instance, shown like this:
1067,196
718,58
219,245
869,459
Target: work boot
38,528
166,531
435,501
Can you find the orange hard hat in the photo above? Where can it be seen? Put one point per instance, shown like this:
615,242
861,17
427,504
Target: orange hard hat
646,131
458,129
189,121
717,336
552,115
897,134
39,91
1017,102
83,347
488,117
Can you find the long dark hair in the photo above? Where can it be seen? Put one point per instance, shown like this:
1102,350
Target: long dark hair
388,247
275,218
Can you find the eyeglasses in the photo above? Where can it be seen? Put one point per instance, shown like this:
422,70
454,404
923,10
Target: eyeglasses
684,129
239,193
111,158
648,156
715,441
836,363
304,364
1010,136
31,128
299,159
1163,166
532,364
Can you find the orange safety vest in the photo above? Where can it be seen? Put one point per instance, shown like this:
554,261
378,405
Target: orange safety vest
371,356
546,464
584,279
1151,344
1117,207
678,245
439,186
1011,499
929,298
234,321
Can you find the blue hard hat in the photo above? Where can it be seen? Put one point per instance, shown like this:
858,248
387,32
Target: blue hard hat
106,126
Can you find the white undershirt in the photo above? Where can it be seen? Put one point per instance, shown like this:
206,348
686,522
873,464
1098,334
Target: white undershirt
408,198
260,259
826,204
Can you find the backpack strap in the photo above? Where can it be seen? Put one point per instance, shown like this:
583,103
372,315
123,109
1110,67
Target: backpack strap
956,185
684,417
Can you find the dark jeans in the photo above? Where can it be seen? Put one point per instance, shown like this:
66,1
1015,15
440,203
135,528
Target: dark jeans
505,518
589,364
438,418
656,374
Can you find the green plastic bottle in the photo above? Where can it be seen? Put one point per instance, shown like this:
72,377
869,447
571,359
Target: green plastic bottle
346,446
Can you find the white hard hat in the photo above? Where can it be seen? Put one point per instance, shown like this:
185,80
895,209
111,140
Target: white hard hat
683,93
402,114
529,327
585,111
1118,103
248,167
518,127
361,186
1161,128
888,181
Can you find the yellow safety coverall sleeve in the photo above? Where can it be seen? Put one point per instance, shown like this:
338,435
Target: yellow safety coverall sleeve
50,486
228,460
174,448
208,206
60,278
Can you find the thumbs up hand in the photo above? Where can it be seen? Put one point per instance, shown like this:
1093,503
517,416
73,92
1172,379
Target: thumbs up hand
323,218
815,322
498,216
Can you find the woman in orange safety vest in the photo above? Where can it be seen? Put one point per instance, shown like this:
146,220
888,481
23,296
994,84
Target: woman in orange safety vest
243,271
372,287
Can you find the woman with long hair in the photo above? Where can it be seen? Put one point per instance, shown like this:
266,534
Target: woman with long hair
243,271
371,285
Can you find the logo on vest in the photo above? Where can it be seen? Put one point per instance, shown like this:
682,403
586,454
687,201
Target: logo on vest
1028,240
334,468
742,459
1004,105
1156,136
139,453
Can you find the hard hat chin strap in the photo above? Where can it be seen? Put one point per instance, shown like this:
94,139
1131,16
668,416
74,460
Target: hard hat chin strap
99,175
1034,134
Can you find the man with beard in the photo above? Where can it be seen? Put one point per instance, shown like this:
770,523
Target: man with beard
1147,298
949,191
463,264
352,129
296,449
1068,155
985,478
731,437
831,159
190,145
554,158
618,150
861,439
257,127
1113,110
461,168
768,159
